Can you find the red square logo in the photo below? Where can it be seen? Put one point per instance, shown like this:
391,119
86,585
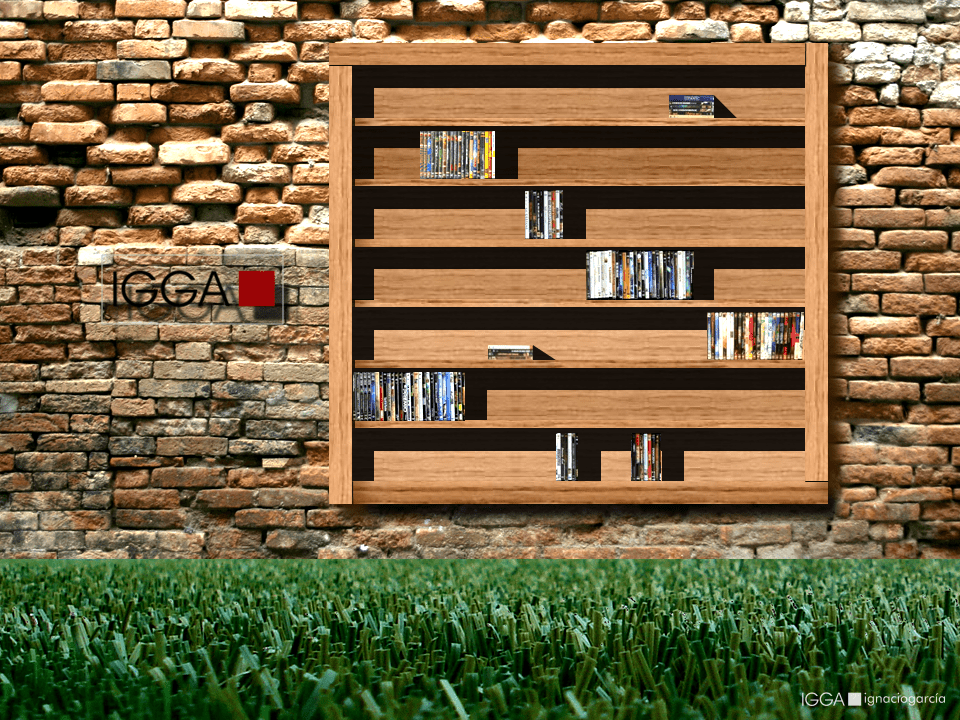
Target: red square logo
257,288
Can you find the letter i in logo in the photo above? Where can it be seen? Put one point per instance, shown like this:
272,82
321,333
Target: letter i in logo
257,288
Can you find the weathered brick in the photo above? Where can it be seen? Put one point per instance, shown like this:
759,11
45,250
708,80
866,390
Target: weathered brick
189,477
263,519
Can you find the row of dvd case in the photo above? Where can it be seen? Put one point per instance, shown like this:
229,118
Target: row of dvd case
639,275
543,214
408,396
755,335
645,457
567,456
458,154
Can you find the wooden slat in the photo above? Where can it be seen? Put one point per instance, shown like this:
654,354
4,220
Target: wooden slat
662,166
617,166
780,228
538,286
718,478
522,285
572,54
341,286
597,242
485,122
670,408
447,224
713,306
776,287
817,205
540,364
573,103
570,347
518,477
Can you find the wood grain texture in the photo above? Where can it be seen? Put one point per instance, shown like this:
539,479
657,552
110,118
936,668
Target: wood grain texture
780,228
721,478
569,54
485,122
599,241
515,477
447,224
668,408
575,348
574,103
617,166
341,286
776,287
519,285
540,286
662,166
817,207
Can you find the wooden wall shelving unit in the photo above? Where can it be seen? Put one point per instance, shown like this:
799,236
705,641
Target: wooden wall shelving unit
426,273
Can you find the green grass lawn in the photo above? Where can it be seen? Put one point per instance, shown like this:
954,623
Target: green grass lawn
475,639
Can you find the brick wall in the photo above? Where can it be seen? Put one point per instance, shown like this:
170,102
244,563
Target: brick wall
142,126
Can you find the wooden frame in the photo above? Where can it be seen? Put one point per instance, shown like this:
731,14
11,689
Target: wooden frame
409,254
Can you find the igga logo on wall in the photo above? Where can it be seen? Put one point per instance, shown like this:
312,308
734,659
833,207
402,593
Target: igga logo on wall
153,292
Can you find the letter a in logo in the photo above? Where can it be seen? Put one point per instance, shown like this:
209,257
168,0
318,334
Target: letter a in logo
257,288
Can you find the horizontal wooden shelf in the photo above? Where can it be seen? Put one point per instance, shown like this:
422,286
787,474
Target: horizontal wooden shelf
596,242
540,364
446,477
520,285
460,122
568,348
571,104
776,227
639,228
625,53
619,166
585,304
667,408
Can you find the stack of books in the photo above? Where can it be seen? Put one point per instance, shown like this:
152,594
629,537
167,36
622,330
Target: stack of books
458,154
543,214
408,396
755,336
691,105
567,456
639,275
645,457
514,352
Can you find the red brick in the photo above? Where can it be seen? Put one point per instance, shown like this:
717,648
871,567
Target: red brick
654,553
924,367
878,511
913,304
865,195
898,116
863,390
856,260
260,518
579,553
873,156
853,238
924,240
188,477
897,346
889,217
878,475
146,499
156,519
227,498
944,262
910,177
927,198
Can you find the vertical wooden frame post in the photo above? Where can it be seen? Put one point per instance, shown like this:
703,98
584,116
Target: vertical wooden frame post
341,284
817,208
